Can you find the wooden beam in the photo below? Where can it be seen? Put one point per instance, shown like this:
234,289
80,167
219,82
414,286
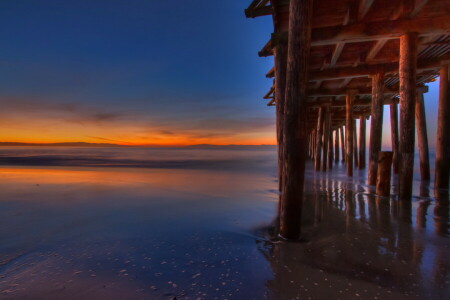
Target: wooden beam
342,92
394,133
355,145
345,82
371,69
368,31
376,49
330,148
364,8
326,139
418,5
336,53
442,169
280,86
348,73
344,153
383,181
295,118
269,94
376,126
271,73
319,135
336,145
407,73
422,137
362,143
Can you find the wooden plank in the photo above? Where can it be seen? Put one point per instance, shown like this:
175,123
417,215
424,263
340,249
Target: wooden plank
295,118
407,71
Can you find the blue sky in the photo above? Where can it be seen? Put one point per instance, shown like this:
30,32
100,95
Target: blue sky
139,72
179,66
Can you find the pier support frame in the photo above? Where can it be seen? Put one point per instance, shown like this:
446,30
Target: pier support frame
394,134
355,145
384,174
422,137
362,143
349,99
341,130
319,135
326,138
330,148
442,169
295,117
336,145
280,56
407,74
376,125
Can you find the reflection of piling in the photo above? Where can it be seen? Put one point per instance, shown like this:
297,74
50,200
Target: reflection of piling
384,173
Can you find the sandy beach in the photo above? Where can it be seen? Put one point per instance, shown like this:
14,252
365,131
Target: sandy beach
159,232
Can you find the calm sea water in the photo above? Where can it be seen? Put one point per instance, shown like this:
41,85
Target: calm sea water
141,223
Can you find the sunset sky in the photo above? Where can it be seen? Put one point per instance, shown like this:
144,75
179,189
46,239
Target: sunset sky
137,72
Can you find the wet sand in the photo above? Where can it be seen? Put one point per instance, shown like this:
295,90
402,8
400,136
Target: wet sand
159,232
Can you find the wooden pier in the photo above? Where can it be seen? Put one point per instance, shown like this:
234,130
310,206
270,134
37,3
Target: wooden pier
338,61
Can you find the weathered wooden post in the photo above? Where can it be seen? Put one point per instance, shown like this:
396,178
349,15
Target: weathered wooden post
350,96
280,61
376,125
394,134
336,145
407,74
362,143
280,58
442,169
384,173
355,145
319,135
422,138
330,149
326,139
295,117
341,129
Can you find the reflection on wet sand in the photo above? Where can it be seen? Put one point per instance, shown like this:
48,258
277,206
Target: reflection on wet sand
363,246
